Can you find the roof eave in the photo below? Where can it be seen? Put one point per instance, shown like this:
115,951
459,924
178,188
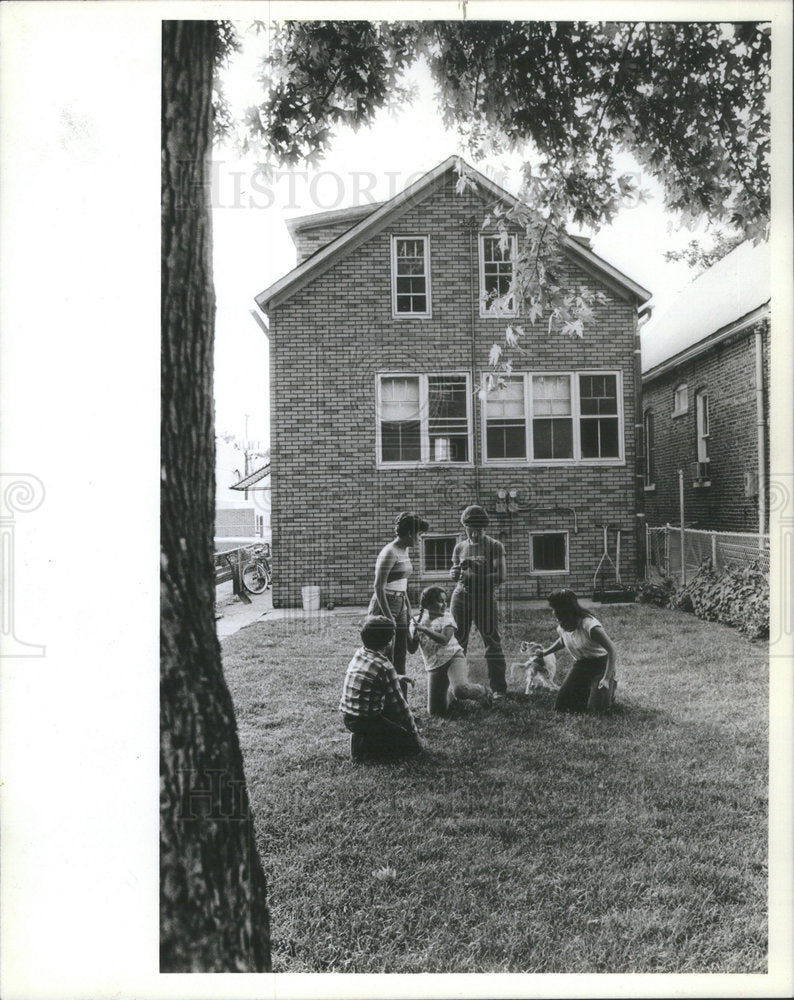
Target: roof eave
299,276
707,343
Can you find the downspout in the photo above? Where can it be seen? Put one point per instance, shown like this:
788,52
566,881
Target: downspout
639,444
761,430
474,273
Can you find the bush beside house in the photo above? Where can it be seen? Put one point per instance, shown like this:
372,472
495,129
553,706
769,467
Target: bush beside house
738,597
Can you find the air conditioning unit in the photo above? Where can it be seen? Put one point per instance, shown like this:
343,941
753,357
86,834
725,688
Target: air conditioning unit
750,483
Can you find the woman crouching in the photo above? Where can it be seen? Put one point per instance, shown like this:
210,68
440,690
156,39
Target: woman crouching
590,685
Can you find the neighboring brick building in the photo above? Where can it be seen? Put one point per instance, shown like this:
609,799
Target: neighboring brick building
705,365
378,338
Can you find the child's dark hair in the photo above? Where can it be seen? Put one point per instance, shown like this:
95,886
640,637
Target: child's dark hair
431,594
377,632
566,601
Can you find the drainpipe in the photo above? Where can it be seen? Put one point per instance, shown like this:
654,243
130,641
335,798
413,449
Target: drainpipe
474,270
761,429
639,471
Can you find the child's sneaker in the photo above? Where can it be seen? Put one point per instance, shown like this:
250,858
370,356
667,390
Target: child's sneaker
498,696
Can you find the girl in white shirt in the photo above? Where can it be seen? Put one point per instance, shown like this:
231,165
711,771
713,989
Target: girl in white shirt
433,631
590,685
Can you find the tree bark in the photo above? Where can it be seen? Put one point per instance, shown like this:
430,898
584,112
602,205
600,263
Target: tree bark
213,909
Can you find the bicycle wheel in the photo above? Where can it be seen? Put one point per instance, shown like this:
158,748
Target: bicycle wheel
255,580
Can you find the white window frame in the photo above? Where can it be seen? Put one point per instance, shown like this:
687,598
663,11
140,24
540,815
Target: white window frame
484,428
492,310
703,425
426,460
576,459
410,315
680,391
434,574
549,572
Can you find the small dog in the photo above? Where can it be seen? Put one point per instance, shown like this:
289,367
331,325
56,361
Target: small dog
540,670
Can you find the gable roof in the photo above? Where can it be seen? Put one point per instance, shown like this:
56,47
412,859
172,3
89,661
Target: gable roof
373,220
730,295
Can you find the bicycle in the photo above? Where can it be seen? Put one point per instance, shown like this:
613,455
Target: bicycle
257,573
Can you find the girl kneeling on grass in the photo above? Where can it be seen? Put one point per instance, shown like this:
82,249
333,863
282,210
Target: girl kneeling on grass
590,685
433,631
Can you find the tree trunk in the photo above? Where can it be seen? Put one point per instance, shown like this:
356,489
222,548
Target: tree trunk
213,909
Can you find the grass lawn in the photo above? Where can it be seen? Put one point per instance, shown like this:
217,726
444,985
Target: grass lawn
525,841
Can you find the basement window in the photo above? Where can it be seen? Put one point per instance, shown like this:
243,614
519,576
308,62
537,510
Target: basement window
436,555
548,552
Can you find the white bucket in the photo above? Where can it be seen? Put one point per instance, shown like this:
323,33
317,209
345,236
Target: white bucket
311,598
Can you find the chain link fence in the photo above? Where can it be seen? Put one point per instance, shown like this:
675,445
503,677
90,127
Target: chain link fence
725,549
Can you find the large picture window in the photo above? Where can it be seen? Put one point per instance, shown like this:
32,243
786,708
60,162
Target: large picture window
410,270
497,259
546,418
424,419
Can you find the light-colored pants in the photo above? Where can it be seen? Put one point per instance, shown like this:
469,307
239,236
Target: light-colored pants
451,681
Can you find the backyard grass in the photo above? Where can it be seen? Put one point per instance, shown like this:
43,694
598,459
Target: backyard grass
525,841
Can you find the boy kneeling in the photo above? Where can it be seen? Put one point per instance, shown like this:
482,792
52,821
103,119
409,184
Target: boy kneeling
372,704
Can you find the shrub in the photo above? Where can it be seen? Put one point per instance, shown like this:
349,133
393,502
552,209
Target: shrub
656,592
738,597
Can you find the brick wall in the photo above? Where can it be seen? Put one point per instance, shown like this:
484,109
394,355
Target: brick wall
333,509
234,522
727,371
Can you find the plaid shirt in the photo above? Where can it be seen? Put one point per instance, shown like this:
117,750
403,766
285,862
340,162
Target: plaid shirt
372,688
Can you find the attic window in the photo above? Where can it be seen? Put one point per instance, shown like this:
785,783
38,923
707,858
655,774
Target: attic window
410,273
497,255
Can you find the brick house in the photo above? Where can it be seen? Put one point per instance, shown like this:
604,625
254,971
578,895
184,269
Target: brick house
705,364
379,336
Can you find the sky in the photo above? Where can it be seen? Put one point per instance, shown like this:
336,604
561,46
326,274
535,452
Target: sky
253,247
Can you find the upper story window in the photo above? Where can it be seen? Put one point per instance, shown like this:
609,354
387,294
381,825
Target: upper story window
555,417
497,259
680,400
649,472
410,276
424,419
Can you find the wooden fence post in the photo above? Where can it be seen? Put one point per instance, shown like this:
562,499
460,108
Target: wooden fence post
237,578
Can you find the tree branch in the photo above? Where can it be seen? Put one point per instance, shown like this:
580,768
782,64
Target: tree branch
615,80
